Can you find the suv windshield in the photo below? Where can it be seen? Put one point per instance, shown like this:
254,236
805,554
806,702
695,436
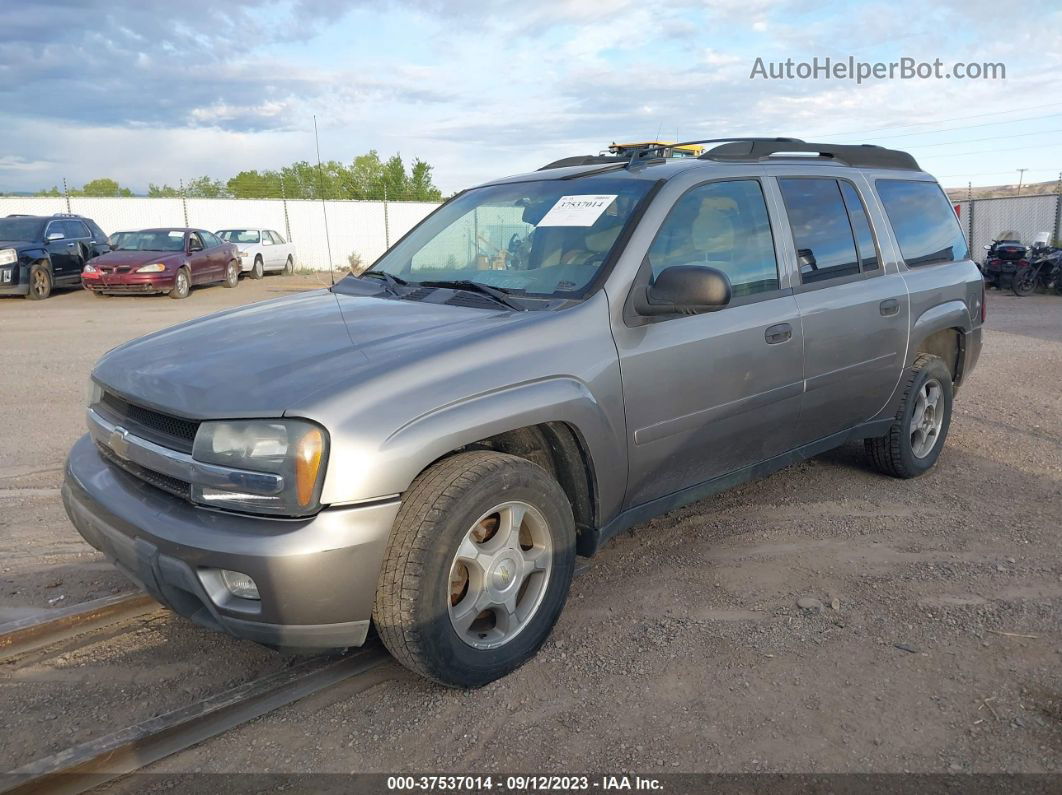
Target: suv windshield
20,228
156,240
547,238
240,235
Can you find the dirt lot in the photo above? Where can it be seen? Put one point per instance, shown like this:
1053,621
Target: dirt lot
939,648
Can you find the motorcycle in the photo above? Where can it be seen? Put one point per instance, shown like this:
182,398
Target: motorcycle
1005,257
1044,270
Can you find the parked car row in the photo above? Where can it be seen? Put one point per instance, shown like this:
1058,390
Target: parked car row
40,253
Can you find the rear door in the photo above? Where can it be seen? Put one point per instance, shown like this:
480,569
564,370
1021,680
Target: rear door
707,394
854,310
218,254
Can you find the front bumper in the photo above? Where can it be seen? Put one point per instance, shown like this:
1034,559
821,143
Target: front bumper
316,576
13,280
129,283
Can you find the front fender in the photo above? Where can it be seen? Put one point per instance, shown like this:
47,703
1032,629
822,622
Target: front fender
418,443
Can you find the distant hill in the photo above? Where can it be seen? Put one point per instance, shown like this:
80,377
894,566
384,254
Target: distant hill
999,191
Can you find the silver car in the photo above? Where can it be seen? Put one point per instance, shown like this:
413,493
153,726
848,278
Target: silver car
544,361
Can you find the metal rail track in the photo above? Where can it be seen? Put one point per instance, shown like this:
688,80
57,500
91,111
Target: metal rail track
30,634
95,762
90,764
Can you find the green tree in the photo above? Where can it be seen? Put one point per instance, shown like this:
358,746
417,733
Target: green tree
104,186
52,191
256,184
421,187
162,191
205,188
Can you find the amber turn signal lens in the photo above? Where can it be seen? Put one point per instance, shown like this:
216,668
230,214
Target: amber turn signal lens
307,462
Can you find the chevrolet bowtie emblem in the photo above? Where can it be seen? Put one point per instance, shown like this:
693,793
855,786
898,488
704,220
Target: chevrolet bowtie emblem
119,442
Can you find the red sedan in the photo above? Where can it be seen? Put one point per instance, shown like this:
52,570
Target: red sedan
163,261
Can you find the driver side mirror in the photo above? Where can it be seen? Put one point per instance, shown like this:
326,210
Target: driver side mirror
55,236
987,247
194,245
685,290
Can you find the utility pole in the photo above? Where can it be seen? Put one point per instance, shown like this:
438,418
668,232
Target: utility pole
1021,176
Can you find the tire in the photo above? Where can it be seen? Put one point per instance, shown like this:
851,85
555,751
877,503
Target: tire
182,284
258,269
1023,282
232,274
40,282
289,266
902,452
419,600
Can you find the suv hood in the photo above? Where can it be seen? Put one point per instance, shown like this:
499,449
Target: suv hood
17,243
259,360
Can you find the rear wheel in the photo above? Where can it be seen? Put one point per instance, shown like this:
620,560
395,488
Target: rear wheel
258,269
182,284
40,282
477,568
1024,281
232,274
913,443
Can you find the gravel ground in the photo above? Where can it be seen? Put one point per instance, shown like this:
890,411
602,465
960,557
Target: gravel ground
934,643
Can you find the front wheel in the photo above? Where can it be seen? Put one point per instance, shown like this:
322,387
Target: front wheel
182,284
232,274
477,568
1024,281
913,443
258,269
40,282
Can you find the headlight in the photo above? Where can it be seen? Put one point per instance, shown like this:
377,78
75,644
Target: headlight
157,267
8,256
89,268
243,254
94,393
294,449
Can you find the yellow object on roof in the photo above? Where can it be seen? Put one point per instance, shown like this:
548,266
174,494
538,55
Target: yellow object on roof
662,148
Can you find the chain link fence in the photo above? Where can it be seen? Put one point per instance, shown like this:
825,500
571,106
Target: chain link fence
1029,219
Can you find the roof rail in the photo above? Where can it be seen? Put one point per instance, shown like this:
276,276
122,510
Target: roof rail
584,160
65,215
855,155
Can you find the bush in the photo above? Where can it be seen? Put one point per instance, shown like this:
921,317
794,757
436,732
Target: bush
355,262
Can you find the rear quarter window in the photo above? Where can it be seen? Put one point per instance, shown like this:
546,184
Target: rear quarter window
923,221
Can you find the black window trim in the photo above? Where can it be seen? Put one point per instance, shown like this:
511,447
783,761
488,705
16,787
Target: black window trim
896,237
807,287
744,300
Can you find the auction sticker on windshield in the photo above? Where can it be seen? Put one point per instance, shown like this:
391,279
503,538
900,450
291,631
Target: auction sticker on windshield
577,210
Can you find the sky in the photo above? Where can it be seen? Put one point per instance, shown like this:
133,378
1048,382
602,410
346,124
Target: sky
152,92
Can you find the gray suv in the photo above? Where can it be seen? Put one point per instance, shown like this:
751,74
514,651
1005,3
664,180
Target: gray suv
542,362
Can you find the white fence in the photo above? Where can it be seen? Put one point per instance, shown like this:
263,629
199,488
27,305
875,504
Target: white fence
367,228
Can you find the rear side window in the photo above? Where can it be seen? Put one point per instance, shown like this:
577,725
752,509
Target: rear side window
209,239
821,230
923,220
276,238
723,225
868,252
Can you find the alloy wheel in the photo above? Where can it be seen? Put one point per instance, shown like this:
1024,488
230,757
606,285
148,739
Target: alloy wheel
927,418
499,575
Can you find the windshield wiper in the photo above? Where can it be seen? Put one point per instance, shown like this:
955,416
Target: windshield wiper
392,282
497,293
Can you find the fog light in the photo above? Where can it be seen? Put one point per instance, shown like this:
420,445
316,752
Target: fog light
239,584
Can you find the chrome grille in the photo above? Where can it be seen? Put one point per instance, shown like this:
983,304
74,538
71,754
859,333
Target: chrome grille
173,432
174,486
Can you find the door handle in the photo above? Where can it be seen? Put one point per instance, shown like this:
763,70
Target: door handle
778,333
889,306
70,245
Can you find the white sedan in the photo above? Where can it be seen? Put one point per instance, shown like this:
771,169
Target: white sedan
261,250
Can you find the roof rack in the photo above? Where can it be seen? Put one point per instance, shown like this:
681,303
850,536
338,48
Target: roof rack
855,155
584,160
